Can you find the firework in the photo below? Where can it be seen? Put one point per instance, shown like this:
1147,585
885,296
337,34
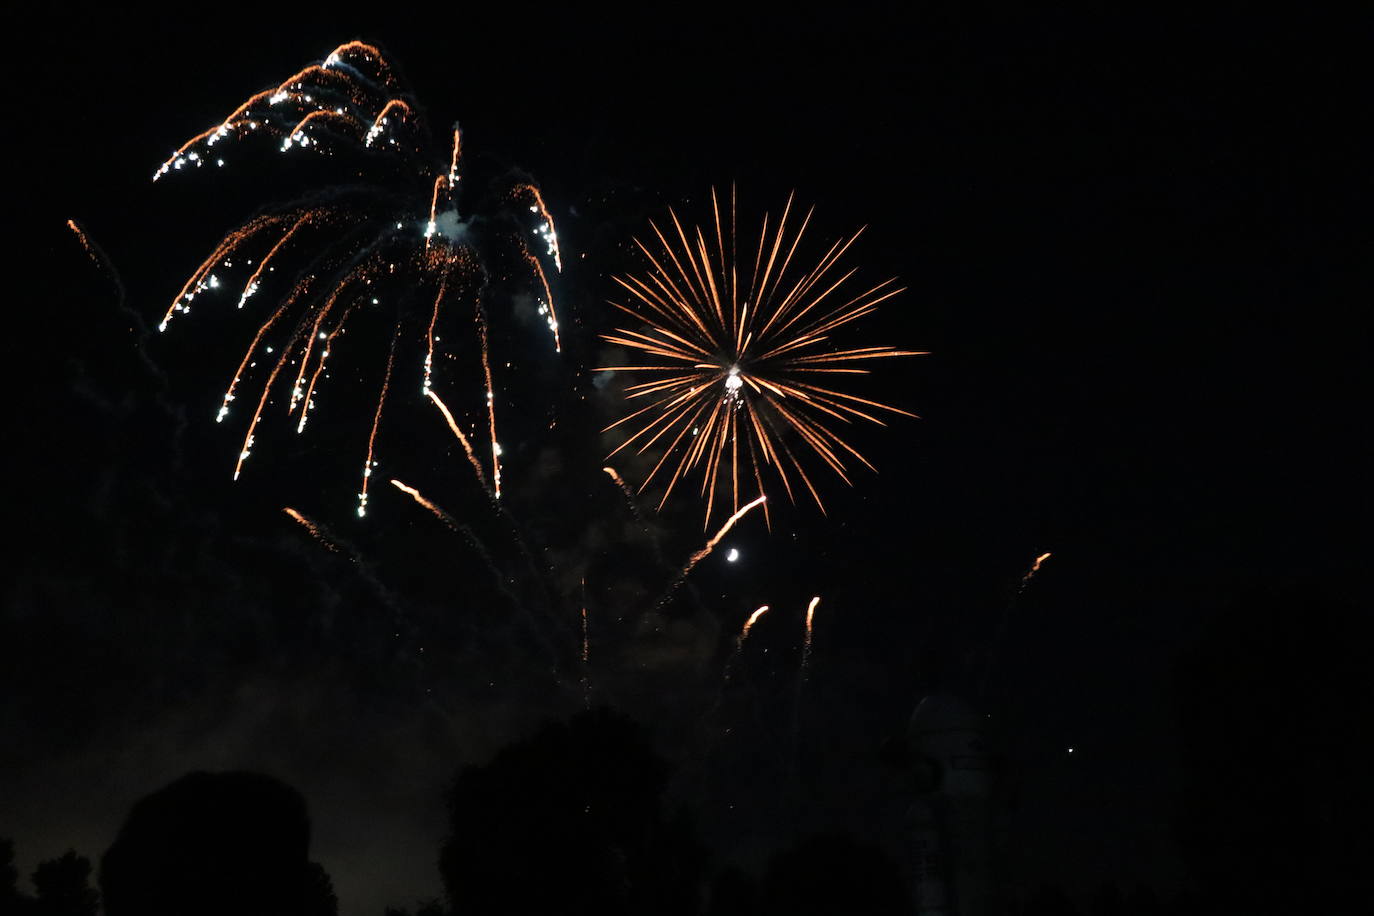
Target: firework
313,528
741,351
393,240
85,241
1035,568
806,646
705,551
749,624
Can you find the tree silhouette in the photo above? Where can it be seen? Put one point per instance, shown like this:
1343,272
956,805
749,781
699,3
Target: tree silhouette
63,886
1273,707
216,844
12,902
569,821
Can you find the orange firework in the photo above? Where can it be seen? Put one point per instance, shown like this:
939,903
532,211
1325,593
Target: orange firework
547,231
313,528
1035,568
749,624
806,645
704,552
462,439
743,355
85,242
340,250
710,545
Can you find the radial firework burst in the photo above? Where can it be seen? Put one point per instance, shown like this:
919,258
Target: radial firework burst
740,341
392,240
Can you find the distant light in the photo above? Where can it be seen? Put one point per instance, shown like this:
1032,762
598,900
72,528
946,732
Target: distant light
1070,750
733,555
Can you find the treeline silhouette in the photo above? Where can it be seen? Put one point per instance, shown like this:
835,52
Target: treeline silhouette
1272,703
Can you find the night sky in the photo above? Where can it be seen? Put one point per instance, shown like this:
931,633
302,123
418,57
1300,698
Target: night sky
1129,243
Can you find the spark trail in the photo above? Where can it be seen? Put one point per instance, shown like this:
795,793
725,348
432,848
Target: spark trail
1004,624
806,644
462,439
739,646
705,551
313,528
1035,568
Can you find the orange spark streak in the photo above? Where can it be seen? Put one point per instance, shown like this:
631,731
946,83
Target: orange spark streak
228,246
381,116
430,228
262,401
749,624
806,645
85,242
251,286
467,446
457,151
548,296
429,337
1035,568
312,528
419,498
491,403
704,552
248,355
323,113
376,422
544,215
307,402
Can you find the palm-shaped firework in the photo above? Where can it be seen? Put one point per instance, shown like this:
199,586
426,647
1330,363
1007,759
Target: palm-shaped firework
741,344
396,236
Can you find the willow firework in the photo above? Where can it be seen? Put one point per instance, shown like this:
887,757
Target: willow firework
739,339
392,241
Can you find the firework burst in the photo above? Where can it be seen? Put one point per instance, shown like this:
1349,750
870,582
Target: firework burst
393,242
738,340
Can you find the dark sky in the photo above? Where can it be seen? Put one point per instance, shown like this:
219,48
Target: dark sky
1129,242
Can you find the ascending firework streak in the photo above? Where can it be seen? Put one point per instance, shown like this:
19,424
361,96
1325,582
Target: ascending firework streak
1035,568
396,235
749,624
1002,625
743,356
802,671
806,645
313,528
85,242
705,551
739,646
624,488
